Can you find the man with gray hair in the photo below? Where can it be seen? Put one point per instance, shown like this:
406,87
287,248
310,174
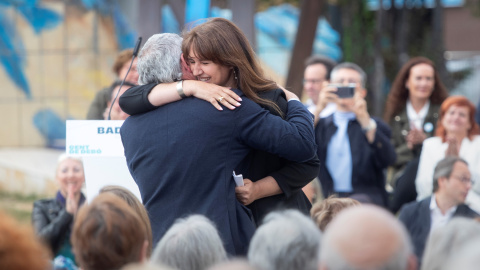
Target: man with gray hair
353,148
191,243
286,240
366,237
182,155
451,183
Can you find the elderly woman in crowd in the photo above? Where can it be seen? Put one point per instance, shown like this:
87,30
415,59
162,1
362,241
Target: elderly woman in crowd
192,243
108,234
136,205
457,135
412,112
53,218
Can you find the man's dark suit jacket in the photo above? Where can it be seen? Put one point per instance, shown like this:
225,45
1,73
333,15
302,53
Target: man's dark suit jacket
416,217
182,155
368,160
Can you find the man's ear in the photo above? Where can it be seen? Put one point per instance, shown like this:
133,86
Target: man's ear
185,66
441,181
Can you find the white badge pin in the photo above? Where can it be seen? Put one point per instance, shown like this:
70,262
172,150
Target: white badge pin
428,127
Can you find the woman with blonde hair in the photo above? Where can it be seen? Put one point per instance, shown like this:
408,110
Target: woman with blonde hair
53,218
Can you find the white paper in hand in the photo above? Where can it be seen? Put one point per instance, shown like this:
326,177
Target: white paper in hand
238,179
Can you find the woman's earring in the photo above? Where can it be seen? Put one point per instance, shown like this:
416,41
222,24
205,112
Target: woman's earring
235,75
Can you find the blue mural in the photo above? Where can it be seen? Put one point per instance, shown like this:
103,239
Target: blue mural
125,34
12,57
52,127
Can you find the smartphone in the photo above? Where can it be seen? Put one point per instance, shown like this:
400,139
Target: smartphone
346,91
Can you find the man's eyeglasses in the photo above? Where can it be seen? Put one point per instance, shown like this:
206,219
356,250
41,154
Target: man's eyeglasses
305,81
464,180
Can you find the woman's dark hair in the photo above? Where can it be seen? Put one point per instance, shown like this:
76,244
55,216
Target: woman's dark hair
397,98
222,42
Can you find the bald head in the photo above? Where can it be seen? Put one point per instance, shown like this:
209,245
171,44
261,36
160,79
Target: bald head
366,237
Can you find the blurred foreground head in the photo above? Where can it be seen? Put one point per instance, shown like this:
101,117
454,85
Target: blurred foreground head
108,234
286,240
19,248
192,243
366,237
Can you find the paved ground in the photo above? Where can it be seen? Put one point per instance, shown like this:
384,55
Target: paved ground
28,170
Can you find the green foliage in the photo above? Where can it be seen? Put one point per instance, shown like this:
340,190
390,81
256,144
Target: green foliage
17,205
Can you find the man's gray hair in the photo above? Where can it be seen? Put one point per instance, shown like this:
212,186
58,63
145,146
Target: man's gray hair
286,240
444,168
191,243
446,241
159,59
353,66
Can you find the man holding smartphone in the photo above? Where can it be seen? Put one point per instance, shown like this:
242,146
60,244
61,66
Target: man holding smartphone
353,147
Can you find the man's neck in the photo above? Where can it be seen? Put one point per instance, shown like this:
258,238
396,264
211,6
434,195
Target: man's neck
443,202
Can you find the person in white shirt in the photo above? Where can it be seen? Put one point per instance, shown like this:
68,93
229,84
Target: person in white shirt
451,182
457,135
317,71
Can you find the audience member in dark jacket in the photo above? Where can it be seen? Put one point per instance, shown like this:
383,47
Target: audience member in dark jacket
53,218
451,183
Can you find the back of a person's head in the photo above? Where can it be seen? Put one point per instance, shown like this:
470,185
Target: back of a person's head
235,264
323,212
445,241
286,240
145,266
192,243
122,58
137,206
366,237
466,257
108,234
159,59
19,248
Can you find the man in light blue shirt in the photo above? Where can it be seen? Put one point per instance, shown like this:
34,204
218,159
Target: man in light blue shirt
353,148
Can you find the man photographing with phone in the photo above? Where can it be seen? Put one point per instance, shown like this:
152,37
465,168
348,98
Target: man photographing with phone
353,147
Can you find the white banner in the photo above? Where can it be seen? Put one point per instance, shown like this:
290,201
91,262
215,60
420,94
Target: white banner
94,138
99,144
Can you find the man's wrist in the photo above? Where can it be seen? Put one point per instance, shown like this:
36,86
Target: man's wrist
371,125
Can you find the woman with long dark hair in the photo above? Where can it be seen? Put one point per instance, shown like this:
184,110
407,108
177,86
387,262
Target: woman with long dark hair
412,112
